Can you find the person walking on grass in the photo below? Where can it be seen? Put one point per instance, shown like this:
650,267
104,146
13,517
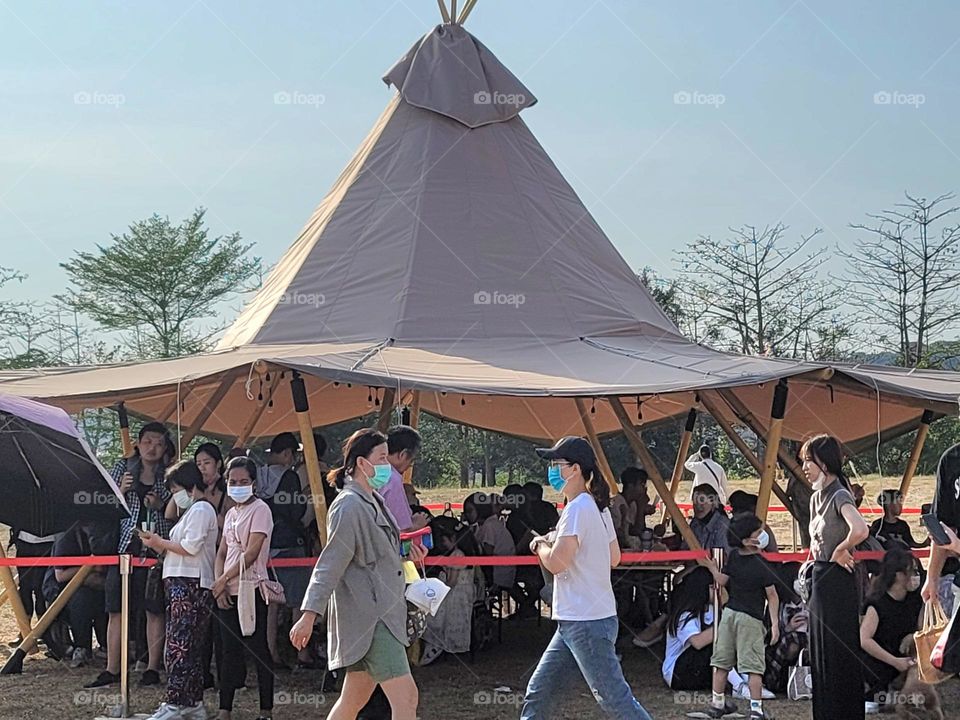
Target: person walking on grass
751,585
358,581
580,556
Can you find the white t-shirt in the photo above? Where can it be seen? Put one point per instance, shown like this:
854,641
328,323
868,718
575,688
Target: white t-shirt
676,644
583,591
197,533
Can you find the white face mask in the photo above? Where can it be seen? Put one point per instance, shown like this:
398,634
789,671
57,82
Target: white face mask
240,493
182,499
763,539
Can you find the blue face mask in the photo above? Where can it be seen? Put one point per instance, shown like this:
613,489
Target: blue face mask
555,478
381,475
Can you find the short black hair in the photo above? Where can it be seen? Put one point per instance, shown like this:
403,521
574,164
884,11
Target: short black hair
403,437
632,475
185,474
154,427
742,526
243,462
705,452
533,489
513,489
741,501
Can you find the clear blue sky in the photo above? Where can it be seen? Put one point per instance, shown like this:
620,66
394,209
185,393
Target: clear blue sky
798,137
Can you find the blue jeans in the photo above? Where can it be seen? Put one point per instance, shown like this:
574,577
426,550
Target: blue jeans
586,646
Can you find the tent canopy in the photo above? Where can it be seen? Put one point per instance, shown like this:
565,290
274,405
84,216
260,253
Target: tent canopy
452,258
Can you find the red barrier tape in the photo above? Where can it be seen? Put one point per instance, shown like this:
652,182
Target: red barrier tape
640,558
440,507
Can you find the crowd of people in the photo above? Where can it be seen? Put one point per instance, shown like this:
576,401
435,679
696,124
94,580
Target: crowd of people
211,603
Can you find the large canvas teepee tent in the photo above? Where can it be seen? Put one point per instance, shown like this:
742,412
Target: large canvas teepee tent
451,259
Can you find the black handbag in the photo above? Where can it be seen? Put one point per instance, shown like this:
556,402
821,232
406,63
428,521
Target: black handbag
153,591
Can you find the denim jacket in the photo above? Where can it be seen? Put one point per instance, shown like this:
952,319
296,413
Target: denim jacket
358,577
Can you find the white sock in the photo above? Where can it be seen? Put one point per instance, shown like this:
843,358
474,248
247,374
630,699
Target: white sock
756,706
718,699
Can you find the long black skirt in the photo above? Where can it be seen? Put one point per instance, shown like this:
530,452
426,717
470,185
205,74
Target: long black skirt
835,644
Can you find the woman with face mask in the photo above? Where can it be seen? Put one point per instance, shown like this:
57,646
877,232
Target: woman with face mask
246,539
580,554
359,578
188,570
836,528
892,613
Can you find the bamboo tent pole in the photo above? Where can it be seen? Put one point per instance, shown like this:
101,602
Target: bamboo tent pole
206,411
301,407
633,437
914,460
257,413
772,450
682,451
124,420
639,449
597,446
467,9
414,422
387,406
13,596
444,13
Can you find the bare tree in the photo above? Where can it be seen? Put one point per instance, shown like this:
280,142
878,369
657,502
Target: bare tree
755,294
905,274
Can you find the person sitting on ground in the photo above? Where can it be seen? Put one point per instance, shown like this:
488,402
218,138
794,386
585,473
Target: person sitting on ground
891,530
710,522
707,471
404,444
741,501
630,506
492,535
893,611
690,630
751,585
793,630
449,630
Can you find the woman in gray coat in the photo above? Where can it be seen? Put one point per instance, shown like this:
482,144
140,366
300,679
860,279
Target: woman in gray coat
359,578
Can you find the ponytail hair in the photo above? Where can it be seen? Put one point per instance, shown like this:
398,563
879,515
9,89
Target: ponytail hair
597,486
358,445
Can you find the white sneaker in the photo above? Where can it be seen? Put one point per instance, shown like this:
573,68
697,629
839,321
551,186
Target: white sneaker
871,708
743,692
166,711
197,712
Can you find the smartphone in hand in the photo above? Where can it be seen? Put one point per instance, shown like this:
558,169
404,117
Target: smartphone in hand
935,528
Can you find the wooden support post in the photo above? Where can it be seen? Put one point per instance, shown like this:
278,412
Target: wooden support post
467,9
414,422
302,407
681,455
915,453
387,406
771,452
597,446
444,13
708,402
639,449
13,595
752,422
633,437
262,403
125,441
206,411
14,664
453,10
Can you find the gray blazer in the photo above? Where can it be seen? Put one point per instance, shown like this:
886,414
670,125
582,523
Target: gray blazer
359,574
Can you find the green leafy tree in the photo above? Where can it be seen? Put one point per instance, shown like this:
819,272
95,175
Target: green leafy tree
158,281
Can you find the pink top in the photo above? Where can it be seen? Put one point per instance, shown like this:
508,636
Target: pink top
242,521
396,501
